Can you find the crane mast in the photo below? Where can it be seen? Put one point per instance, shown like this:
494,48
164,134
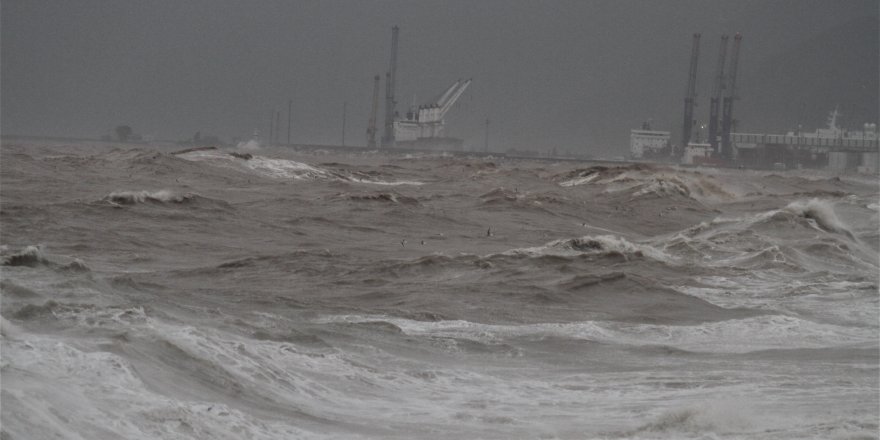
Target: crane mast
371,127
388,137
727,105
690,96
715,99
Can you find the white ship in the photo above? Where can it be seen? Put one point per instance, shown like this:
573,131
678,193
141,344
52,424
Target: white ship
834,131
645,143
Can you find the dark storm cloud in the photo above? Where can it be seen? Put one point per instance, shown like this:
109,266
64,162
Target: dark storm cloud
575,75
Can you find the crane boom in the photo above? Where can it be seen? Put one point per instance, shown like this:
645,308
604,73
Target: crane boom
449,102
445,96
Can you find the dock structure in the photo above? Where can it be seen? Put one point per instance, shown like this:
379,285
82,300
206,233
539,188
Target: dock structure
833,147
765,151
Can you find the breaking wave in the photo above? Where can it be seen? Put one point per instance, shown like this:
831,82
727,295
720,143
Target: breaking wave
718,417
29,256
821,212
596,245
615,301
134,197
646,180
33,256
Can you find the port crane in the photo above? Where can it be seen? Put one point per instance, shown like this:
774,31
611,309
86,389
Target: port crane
715,99
422,126
426,121
727,105
388,138
690,97
371,127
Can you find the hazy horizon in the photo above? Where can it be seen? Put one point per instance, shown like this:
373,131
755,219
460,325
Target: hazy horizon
566,74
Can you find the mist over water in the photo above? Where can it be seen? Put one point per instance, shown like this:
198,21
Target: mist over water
148,293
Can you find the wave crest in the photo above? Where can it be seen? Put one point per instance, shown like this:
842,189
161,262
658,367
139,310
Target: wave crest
30,256
135,197
594,244
820,211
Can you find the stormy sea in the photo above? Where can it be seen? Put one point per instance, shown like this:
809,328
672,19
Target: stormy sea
271,293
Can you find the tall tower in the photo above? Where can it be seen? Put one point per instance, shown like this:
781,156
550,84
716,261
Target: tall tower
690,97
727,105
388,137
371,127
715,99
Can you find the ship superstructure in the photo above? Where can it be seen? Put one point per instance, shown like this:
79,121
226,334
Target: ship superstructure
645,143
423,126
425,123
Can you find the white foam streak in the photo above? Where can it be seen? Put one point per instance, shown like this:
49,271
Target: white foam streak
284,168
99,394
386,183
732,336
163,195
580,180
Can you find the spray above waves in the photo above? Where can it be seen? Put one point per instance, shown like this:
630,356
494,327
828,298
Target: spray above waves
250,145
822,213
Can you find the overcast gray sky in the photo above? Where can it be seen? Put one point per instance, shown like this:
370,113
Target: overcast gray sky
568,74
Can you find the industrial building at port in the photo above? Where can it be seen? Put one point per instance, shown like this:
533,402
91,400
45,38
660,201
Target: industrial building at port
832,148
712,142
